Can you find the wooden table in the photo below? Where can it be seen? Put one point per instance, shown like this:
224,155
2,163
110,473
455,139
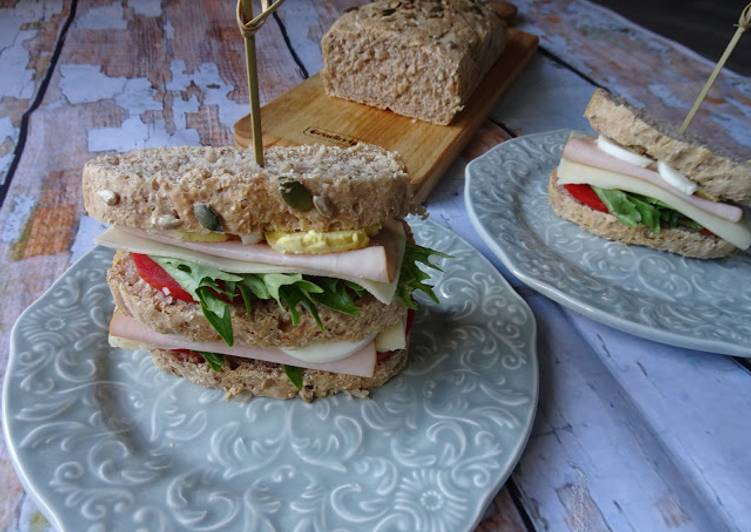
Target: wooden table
630,435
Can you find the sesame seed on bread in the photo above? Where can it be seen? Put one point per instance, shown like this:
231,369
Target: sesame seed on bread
682,241
720,173
158,189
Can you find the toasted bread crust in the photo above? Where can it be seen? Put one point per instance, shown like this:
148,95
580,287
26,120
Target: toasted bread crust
266,326
351,187
678,240
264,379
719,174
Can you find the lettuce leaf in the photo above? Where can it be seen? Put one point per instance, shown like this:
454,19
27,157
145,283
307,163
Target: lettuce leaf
216,290
634,209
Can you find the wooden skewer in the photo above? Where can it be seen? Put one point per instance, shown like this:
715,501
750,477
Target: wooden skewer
744,22
248,27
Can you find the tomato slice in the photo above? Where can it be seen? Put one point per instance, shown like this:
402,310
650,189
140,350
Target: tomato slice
584,194
156,277
410,321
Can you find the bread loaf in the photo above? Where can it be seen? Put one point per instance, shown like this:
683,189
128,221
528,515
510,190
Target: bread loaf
418,58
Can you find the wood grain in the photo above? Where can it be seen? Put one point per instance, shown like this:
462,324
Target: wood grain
645,68
129,75
307,115
28,35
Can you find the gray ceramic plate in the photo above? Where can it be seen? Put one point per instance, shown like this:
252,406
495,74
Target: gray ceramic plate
104,441
704,305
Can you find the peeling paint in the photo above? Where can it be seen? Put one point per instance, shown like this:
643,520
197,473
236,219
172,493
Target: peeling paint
103,18
146,8
48,231
16,217
215,90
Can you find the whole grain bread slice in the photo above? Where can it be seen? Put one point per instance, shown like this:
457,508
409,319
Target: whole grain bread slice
678,240
720,173
317,187
247,377
266,326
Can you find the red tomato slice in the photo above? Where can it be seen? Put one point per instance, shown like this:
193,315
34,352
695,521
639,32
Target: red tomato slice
410,321
584,194
156,277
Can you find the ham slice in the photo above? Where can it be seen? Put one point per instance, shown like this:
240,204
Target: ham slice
361,363
379,261
585,151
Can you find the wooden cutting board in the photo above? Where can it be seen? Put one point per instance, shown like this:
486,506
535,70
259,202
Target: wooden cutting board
306,115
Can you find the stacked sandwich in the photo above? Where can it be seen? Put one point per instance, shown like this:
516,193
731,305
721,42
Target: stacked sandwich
294,279
641,182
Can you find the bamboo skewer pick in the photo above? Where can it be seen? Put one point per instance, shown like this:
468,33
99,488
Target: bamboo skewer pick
248,27
744,22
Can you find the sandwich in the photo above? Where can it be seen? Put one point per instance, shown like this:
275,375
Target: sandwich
295,279
641,182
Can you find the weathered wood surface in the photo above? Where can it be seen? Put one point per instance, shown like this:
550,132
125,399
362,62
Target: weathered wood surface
28,34
630,435
654,72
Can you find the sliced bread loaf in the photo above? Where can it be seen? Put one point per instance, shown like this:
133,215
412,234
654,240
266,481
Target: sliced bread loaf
419,59
720,174
325,188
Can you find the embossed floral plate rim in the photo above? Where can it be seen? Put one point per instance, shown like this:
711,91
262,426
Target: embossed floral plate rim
600,313
28,471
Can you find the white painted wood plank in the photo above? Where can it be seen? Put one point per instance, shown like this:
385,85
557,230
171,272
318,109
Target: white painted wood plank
564,93
697,403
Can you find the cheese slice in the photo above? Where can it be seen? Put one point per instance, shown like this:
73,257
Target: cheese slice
117,238
569,172
392,339
128,333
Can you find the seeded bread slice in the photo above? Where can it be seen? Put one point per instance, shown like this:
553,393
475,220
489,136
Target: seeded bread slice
678,240
419,59
266,326
157,189
720,174
241,376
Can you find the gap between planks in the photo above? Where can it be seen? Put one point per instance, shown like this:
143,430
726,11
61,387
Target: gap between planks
23,131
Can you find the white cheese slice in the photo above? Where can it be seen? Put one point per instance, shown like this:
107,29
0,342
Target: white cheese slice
569,172
392,339
118,239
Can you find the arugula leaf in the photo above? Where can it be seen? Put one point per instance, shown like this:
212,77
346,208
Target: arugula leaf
294,374
215,361
216,313
411,276
335,295
619,205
